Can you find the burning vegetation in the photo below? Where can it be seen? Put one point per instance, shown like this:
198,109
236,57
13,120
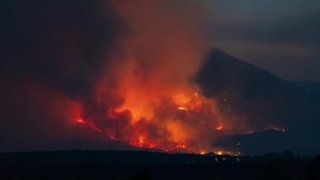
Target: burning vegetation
122,70
190,125
145,95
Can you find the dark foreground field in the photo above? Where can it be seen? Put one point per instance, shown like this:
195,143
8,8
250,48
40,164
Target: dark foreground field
153,165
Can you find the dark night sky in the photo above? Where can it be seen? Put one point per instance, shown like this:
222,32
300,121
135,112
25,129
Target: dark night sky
281,36
54,56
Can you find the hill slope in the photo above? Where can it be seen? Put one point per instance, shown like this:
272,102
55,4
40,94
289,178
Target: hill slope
262,100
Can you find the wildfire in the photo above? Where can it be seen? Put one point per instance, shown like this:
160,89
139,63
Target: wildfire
92,125
146,98
81,121
189,103
181,146
182,108
219,128
177,131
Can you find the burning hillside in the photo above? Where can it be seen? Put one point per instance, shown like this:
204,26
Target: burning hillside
145,96
124,71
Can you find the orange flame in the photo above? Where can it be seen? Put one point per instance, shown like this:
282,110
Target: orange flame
219,128
151,102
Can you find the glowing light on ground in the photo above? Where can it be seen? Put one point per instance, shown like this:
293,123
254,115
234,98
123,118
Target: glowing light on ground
281,129
219,153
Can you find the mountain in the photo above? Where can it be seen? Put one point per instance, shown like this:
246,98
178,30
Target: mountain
262,101
251,143
313,87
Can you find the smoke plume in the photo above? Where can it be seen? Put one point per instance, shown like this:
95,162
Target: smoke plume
121,70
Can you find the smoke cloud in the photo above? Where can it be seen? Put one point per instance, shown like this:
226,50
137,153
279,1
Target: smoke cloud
151,76
111,70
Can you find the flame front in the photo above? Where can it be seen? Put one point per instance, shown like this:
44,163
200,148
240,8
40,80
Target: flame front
165,123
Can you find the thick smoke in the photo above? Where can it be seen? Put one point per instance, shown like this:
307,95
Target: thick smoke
151,75
117,70
52,55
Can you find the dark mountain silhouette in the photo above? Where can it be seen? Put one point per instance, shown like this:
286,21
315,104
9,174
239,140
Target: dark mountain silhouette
260,142
312,87
263,101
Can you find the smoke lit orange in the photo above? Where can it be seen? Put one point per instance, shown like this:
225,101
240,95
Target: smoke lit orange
146,96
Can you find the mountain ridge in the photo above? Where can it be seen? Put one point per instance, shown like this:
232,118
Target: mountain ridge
262,101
